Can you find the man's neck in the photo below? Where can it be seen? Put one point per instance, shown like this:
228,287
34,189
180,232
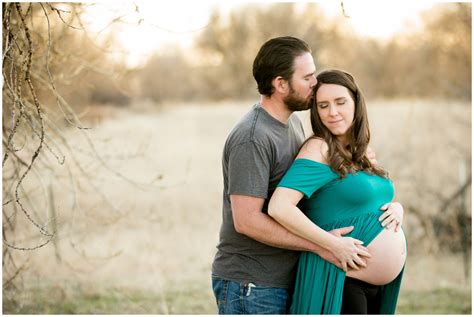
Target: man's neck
276,108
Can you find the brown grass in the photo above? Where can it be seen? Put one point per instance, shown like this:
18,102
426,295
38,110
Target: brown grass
160,234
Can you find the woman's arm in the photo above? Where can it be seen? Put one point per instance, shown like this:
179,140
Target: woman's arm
283,208
252,222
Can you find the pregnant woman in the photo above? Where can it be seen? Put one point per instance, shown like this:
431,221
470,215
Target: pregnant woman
341,188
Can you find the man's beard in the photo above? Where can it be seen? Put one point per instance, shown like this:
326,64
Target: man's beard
295,103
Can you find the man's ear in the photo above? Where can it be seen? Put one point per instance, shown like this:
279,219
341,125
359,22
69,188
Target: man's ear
280,84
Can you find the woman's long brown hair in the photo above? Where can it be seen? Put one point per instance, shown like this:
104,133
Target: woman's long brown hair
353,157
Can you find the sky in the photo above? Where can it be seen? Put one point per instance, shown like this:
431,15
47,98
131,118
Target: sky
149,25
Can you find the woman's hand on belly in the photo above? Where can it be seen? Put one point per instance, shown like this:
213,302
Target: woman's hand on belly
348,250
392,216
388,252
330,257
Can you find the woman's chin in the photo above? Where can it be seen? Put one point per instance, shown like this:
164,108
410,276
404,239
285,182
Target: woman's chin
337,132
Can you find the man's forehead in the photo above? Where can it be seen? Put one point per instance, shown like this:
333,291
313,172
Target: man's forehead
305,64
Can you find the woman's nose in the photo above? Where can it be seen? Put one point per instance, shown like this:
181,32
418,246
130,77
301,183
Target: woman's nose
332,110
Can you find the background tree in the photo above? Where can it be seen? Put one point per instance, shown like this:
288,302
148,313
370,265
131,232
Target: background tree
52,72
434,61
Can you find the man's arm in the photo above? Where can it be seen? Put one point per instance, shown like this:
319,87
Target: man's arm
252,222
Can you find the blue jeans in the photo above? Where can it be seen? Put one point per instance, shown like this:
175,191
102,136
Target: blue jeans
238,298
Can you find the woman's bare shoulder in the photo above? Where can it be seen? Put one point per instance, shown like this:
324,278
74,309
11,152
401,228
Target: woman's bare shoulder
315,149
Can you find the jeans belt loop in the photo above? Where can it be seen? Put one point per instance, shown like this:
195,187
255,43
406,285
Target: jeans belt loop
249,288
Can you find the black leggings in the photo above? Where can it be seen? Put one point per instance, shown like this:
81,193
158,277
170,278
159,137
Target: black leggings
360,297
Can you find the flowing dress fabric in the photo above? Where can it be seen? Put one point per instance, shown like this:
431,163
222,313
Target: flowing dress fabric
334,202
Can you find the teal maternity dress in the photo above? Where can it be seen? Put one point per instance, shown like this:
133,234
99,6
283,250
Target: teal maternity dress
334,202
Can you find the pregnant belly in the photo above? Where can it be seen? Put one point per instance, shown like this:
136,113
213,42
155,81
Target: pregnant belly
388,252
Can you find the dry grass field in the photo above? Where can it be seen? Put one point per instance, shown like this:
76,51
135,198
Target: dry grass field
139,235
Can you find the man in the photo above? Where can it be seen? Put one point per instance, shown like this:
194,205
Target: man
254,268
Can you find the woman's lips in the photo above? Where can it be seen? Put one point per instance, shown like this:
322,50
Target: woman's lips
336,121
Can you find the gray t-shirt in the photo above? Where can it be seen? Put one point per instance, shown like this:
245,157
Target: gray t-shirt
257,153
